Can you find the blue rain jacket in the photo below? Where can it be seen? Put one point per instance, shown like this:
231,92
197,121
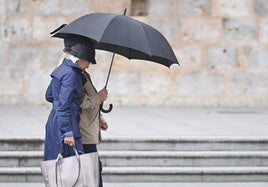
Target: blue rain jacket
64,92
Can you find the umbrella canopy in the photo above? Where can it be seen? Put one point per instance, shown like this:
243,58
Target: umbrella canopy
122,35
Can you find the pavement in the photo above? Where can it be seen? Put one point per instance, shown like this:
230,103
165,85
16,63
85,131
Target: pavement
29,122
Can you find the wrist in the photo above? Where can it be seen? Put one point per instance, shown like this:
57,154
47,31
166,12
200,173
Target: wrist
68,134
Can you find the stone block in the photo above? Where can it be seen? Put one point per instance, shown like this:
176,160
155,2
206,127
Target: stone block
42,26
51,55
261,8
222,57
3,30
2,7
139,7
120,83
241,30
240,101
17,28
160,9
10,99
11,82
255,57
201,29
234,8
200,84
249,84
45,8
263,31
170,29
190,57
193,7
69,7
157,88
35,85
13,7
4,54
36,80
26,57
156,84
113,6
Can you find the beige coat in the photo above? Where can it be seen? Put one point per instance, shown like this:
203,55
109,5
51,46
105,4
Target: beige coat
90,119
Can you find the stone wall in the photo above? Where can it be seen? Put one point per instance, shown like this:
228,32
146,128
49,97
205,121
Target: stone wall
222,47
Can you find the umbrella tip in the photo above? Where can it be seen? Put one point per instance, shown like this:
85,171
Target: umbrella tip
125,11
57,29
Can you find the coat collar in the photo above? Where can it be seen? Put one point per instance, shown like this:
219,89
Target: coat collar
70,63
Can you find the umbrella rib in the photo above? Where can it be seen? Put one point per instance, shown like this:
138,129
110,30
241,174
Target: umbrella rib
162,50
110,22
146,34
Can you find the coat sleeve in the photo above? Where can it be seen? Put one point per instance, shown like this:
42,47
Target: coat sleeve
49,96
102,120
67,88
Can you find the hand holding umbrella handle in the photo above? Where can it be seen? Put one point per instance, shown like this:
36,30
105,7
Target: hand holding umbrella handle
110,105
108,110
108,76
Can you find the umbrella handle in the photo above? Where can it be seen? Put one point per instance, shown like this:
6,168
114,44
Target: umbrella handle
110,105
108,110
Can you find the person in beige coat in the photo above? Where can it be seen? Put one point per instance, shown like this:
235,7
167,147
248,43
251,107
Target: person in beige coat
91,121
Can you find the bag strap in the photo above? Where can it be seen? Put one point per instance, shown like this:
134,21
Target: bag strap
59,159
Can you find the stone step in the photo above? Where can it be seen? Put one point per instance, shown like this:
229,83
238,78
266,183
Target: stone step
20,158
155,184
20,174
184,158
153,143
150,158
21,144
185,143
153,174
185,174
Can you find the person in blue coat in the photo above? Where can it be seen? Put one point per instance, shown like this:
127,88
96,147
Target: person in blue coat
65,92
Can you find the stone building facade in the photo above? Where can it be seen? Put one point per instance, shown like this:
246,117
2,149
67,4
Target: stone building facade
222,46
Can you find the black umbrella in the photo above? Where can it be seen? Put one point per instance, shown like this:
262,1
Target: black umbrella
122,35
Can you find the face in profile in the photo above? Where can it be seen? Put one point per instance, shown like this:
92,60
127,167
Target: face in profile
83,64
